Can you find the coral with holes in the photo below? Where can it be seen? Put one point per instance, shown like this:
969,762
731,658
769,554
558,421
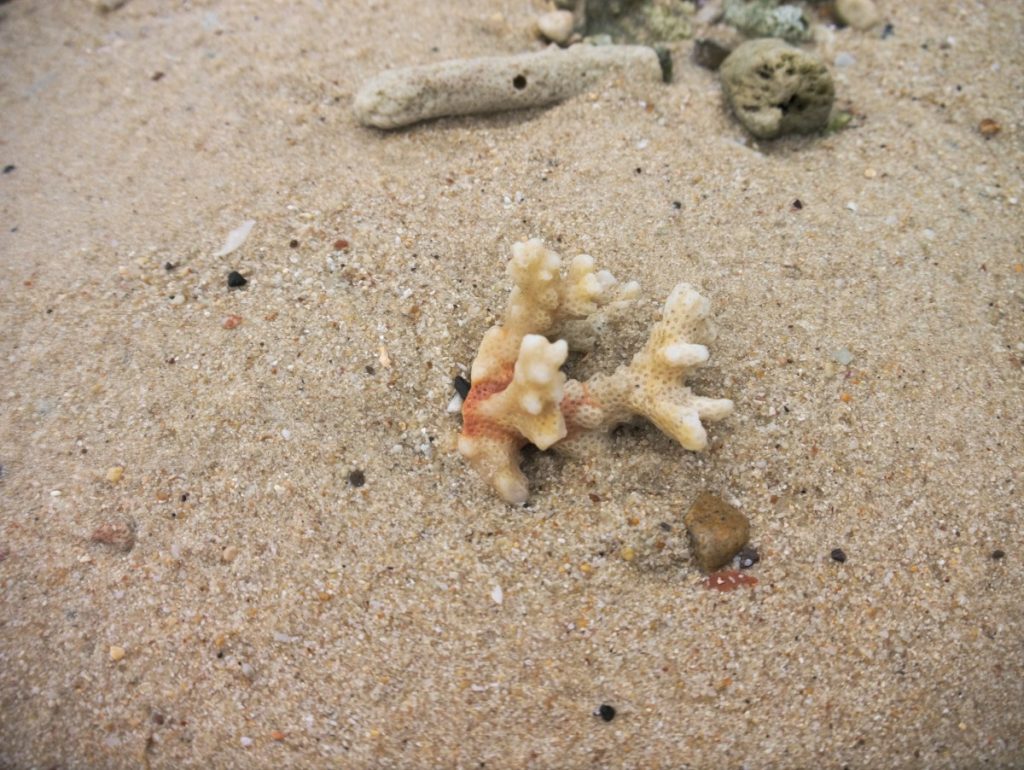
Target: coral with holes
519,394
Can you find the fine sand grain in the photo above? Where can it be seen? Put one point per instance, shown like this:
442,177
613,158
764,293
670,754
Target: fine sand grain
234,532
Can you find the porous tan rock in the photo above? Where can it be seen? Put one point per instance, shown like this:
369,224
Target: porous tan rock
775,89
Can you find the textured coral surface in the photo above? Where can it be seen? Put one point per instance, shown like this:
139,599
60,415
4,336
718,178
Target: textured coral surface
520,395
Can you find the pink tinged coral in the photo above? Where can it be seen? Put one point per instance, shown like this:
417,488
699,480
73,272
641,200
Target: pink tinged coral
519,394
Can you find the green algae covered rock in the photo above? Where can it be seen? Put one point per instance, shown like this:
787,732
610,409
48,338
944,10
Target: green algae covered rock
766,18
775,89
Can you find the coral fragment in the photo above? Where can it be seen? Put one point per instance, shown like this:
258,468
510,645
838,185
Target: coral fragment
520,395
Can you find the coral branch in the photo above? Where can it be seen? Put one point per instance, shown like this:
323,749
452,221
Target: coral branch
519,394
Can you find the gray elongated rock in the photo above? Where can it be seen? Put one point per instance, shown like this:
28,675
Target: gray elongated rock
492,84
775,89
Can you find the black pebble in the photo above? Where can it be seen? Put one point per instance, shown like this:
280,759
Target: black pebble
462,385
677,205
169,266
749,557
236,280
357,478
606,712
998,554
798,204
888,31
9,168
839,555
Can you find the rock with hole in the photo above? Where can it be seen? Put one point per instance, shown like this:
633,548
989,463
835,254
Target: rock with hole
775,89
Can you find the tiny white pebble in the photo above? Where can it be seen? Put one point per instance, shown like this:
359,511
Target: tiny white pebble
497,595
286,434
55,493
246,741
455,405
851,206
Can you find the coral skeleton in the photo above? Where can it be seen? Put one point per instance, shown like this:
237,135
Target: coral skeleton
520,395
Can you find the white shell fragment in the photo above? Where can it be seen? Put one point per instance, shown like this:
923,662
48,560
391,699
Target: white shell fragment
236,238
491,84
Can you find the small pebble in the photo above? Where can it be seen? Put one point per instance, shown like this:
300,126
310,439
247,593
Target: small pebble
989,128
461,385
232,321
606,712
628,553
870,173
709,54
229,554
888,31
119,534
749,557
859,14
293,243
839,555
556,26
357,478
340,245
114,474
246,741
843,357
116,653
845,60
236,280
998,554
9,168
717,531
497,595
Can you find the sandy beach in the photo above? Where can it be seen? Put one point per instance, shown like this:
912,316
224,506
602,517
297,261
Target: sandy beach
234,528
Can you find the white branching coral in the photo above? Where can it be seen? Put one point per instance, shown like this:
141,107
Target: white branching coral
519,394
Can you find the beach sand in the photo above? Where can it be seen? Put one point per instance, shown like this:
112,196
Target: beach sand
296,569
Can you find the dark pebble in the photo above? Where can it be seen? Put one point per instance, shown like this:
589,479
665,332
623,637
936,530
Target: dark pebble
357,478
606,712
157,76
839,555
748,558
677,205
462,385
9,168
888,31
294,243
998,554
797,204
709,54
169,266
236,280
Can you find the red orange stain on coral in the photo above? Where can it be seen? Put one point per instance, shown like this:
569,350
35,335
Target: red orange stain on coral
473,423
729,580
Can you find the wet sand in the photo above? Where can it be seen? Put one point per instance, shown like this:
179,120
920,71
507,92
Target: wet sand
299,569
